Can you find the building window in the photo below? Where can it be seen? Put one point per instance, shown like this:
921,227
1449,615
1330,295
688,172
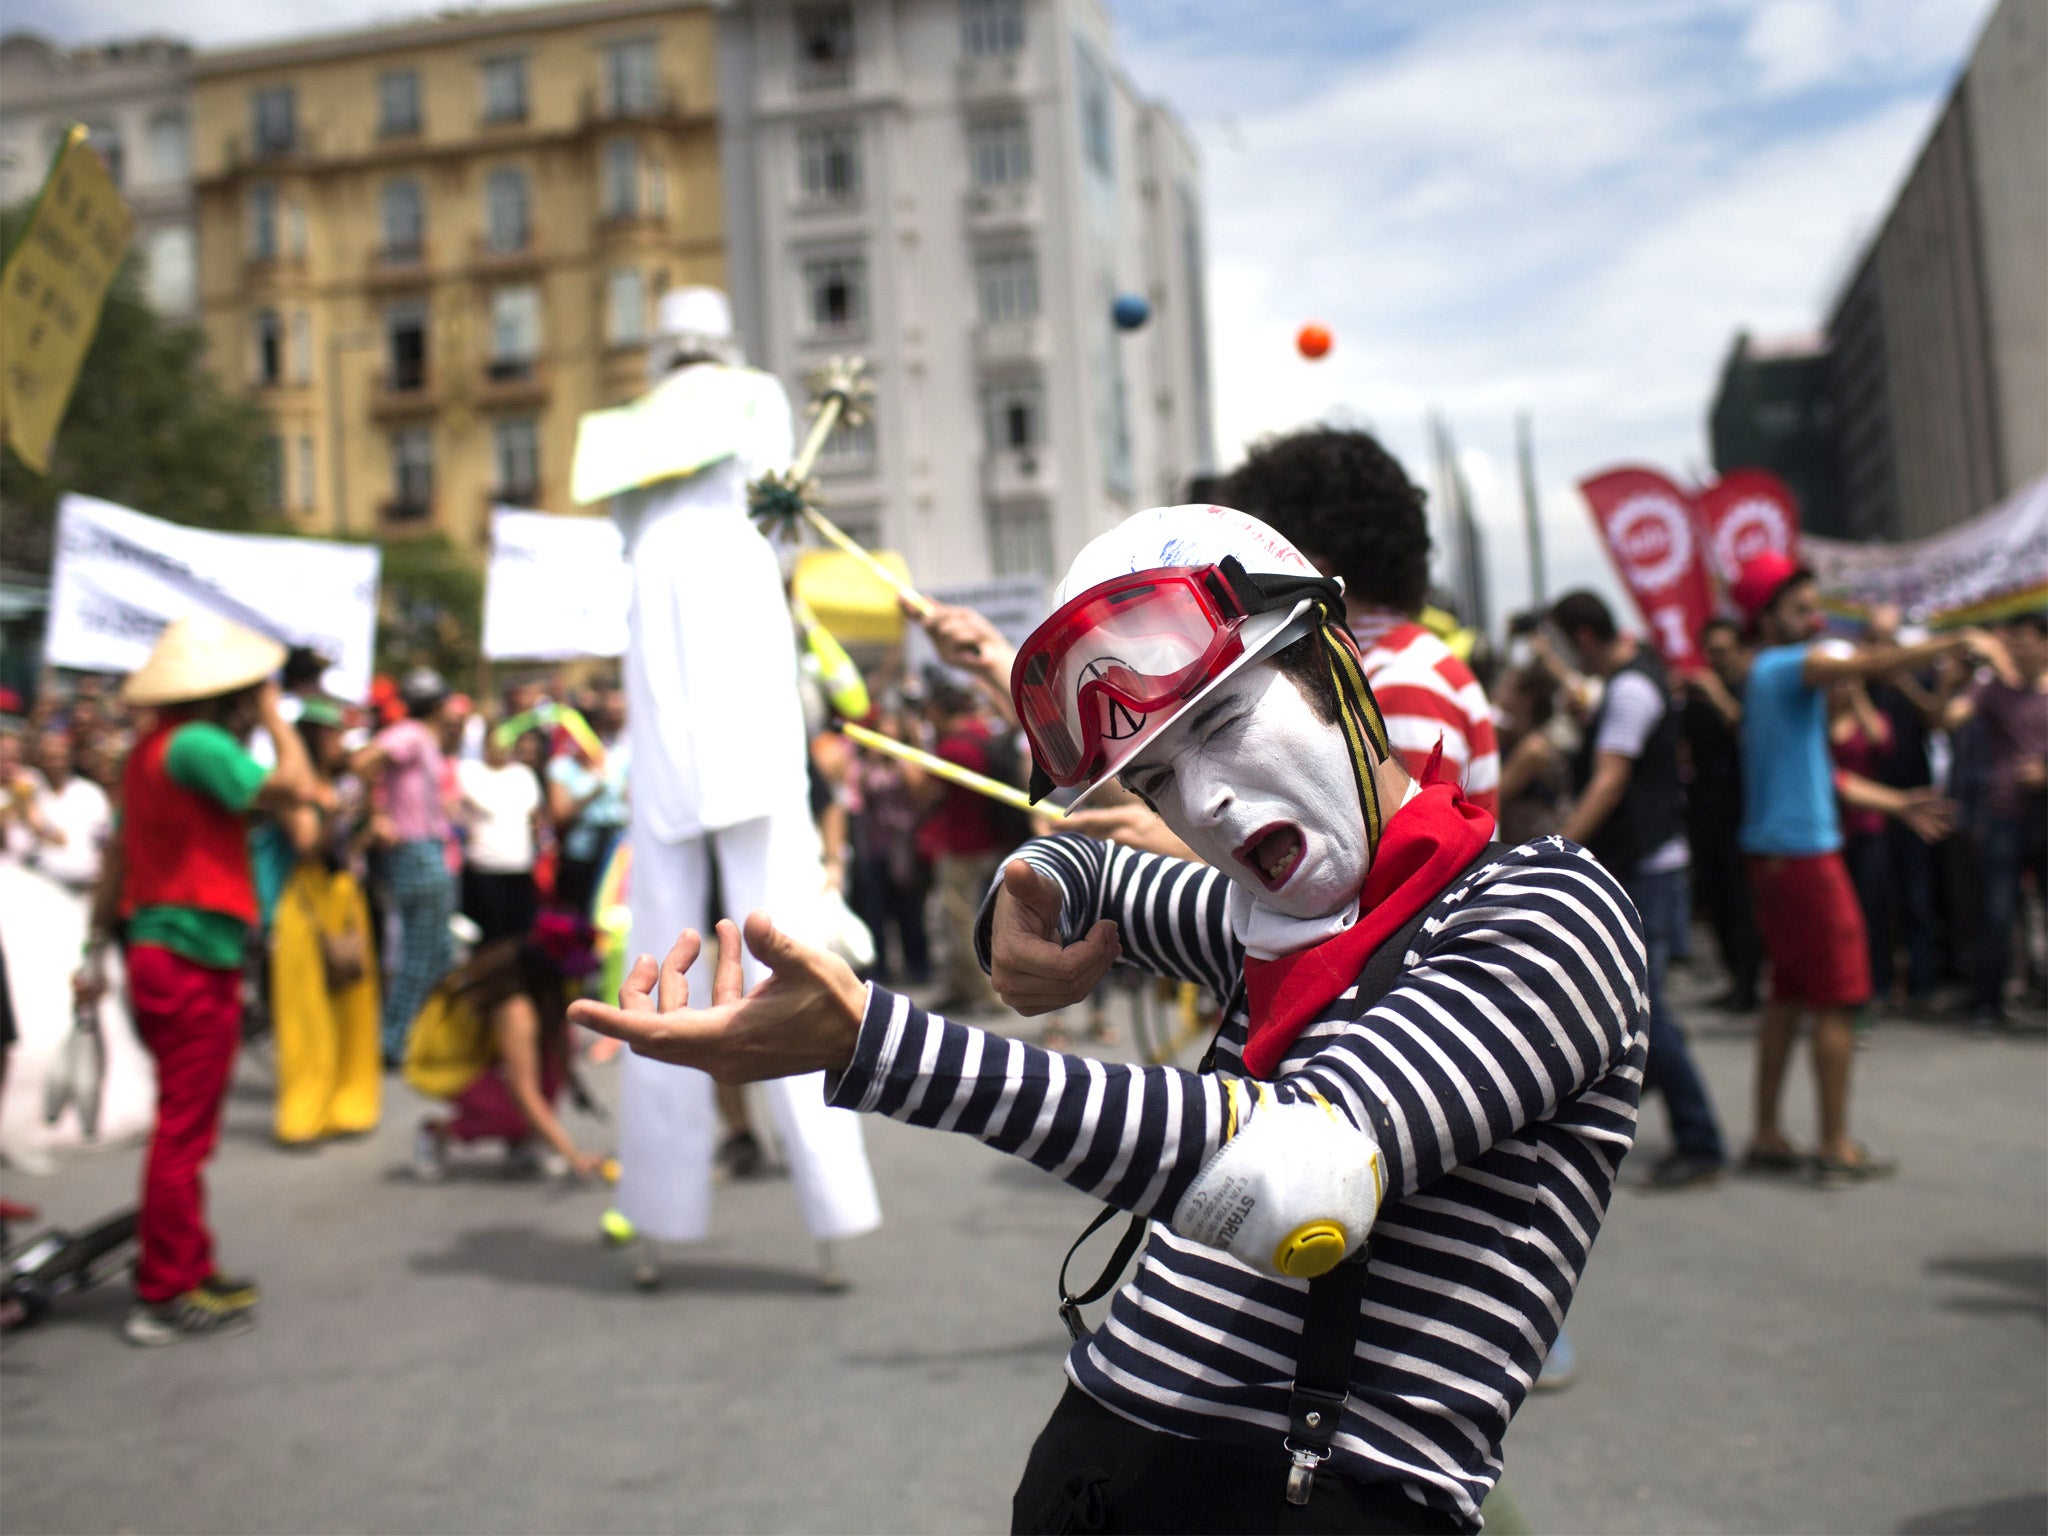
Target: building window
405,345
999,152
398,103
269,353
263,221
505,90
507,208
273,120
404,217
305,472
1013,417
302,347
104,139
172,270
838,291
989,28
1006,286
828,164
515,450
626,307
849,447
515,331
1021,541
1098,137
824,47
170,148
632,87
273,472
412,474
621,179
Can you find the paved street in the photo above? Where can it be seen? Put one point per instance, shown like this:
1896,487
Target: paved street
465,1357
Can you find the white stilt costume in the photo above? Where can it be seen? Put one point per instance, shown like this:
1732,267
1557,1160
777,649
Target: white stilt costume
718,772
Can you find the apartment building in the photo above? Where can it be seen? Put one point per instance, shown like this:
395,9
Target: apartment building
430,247
960,190
132,97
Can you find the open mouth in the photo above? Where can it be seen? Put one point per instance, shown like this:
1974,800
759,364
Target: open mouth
1272,853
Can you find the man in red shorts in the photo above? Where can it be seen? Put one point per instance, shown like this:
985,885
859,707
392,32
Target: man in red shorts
179,882
1792,835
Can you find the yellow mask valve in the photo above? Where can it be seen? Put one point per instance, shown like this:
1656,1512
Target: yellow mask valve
1311,1249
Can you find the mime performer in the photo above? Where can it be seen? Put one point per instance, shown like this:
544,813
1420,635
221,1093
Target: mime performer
719,779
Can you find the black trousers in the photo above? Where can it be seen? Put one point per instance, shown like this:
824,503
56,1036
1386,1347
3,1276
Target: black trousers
1093,1471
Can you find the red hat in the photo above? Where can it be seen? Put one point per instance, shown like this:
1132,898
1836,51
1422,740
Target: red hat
1762,578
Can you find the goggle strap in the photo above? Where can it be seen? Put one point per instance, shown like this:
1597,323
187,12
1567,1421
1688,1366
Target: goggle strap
1262,592
1365,733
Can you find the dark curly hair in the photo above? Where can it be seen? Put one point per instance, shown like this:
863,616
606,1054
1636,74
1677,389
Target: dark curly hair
1341,498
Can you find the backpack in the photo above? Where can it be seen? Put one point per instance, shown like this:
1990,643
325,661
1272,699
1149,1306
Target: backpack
451,1046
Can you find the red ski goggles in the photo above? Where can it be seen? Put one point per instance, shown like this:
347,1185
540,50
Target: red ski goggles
1089,681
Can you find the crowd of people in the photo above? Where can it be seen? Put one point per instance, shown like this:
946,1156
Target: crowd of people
1864,814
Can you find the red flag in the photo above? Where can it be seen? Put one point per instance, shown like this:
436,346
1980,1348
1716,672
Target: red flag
1647,523
1745,513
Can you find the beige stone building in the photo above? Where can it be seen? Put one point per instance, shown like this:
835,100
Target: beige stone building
430,247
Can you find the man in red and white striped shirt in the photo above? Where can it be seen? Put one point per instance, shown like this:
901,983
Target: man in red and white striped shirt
1346,503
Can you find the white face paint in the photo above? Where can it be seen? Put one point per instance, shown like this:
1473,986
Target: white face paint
1260,787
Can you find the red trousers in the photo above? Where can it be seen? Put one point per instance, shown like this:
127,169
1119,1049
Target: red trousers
190,1017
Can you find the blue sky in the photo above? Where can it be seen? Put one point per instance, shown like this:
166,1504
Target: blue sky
1566,207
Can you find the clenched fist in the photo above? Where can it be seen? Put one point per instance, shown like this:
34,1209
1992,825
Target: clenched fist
1032,970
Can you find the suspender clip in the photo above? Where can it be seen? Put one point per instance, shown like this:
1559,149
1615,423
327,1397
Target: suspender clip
1301,1476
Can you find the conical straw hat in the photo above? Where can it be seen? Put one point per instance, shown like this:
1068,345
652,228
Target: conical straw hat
199,657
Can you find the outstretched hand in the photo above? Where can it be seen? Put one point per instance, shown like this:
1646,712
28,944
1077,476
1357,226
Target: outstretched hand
804,1018
1032,970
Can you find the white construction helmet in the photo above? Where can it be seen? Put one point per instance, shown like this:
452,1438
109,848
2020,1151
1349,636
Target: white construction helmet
691,322
1152,616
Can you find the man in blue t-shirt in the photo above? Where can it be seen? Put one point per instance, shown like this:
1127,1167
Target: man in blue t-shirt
1792,835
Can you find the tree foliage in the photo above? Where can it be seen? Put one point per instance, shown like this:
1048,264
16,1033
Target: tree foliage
148,426
430,609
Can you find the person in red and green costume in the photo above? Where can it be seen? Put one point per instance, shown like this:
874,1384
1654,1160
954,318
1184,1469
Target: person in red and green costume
179,887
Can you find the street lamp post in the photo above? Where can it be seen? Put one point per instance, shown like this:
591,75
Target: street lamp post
340,342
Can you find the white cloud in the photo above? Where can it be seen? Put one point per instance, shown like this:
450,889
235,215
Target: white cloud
1568,211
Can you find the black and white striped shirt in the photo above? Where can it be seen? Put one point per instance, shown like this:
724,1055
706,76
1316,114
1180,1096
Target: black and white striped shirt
1500,1076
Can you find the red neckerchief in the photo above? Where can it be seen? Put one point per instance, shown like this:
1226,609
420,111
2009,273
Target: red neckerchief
1422,849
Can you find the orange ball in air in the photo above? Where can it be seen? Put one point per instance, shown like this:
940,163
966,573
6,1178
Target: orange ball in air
1312,340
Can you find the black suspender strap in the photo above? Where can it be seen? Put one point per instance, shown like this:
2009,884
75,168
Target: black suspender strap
1322,1370
1126,1248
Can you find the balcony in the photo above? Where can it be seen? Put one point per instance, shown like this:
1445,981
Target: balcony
502,260
398,268
512,382
995,210
1001,342
404,397
408,512
1019,474
994,77
661,106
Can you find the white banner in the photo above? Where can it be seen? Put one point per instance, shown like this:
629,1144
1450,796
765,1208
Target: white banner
558,587
1995,562
120,577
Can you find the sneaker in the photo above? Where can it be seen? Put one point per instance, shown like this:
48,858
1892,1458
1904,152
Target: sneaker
1684,1170
195,1315
429,1153
232,1290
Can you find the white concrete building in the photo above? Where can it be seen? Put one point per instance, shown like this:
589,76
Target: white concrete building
133,96
959,190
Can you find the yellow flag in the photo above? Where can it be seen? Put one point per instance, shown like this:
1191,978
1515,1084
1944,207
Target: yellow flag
51,292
